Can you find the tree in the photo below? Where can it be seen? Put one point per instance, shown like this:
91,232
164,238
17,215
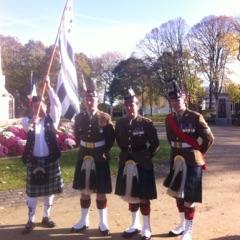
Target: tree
168,38
233,91
18,62
165,51
84,70
130,73
12,51
212,42
237,30
103,67
195,92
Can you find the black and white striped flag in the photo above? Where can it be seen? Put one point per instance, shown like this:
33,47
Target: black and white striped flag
67,87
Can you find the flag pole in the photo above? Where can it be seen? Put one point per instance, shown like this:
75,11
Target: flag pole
52,56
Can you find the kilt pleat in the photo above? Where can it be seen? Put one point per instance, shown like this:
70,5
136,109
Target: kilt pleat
100,182
146,188
193,185
55,181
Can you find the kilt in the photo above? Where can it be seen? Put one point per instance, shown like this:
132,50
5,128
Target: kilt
102,177
193,185
145,188
54,184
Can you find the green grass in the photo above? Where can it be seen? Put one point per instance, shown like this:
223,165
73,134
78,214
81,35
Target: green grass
13,171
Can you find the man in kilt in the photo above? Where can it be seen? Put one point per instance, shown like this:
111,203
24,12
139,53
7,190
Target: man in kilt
41,156
190,137
95,136
137,138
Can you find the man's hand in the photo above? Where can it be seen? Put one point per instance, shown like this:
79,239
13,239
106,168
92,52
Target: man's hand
35,119
205,167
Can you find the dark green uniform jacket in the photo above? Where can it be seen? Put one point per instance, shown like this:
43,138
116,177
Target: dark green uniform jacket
194,125
137,137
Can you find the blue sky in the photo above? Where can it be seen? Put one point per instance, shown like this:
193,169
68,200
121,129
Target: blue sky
103,25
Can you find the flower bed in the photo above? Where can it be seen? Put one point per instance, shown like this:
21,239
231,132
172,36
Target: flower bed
13,139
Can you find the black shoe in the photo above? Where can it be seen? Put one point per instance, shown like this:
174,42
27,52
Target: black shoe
78,230
130,234
47,222
172,234
28,227
104,232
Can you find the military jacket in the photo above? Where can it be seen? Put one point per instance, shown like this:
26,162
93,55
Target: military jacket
194,125
94,129
137,139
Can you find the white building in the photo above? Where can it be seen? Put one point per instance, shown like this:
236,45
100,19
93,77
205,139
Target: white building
6,99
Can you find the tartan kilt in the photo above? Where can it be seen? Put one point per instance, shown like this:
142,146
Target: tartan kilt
101,180
193,184
145,188
55,181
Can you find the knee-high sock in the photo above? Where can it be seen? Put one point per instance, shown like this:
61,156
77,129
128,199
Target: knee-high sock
84,218
178,230
189,215
32,204
48,202
135,225
102,208
145,210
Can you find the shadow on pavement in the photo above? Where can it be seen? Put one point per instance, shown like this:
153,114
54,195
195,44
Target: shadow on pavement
233,237
162,235
12,232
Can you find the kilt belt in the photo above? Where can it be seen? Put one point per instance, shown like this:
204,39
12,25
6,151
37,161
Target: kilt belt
92,144
130,171
88,165
179,167
180,144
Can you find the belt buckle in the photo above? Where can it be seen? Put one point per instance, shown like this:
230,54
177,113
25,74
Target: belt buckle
88,158
90,145
128,162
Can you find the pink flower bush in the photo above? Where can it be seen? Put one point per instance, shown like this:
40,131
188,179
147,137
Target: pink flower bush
65,137
13,139
3,151
18,131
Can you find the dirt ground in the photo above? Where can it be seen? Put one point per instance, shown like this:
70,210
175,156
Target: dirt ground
217,218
